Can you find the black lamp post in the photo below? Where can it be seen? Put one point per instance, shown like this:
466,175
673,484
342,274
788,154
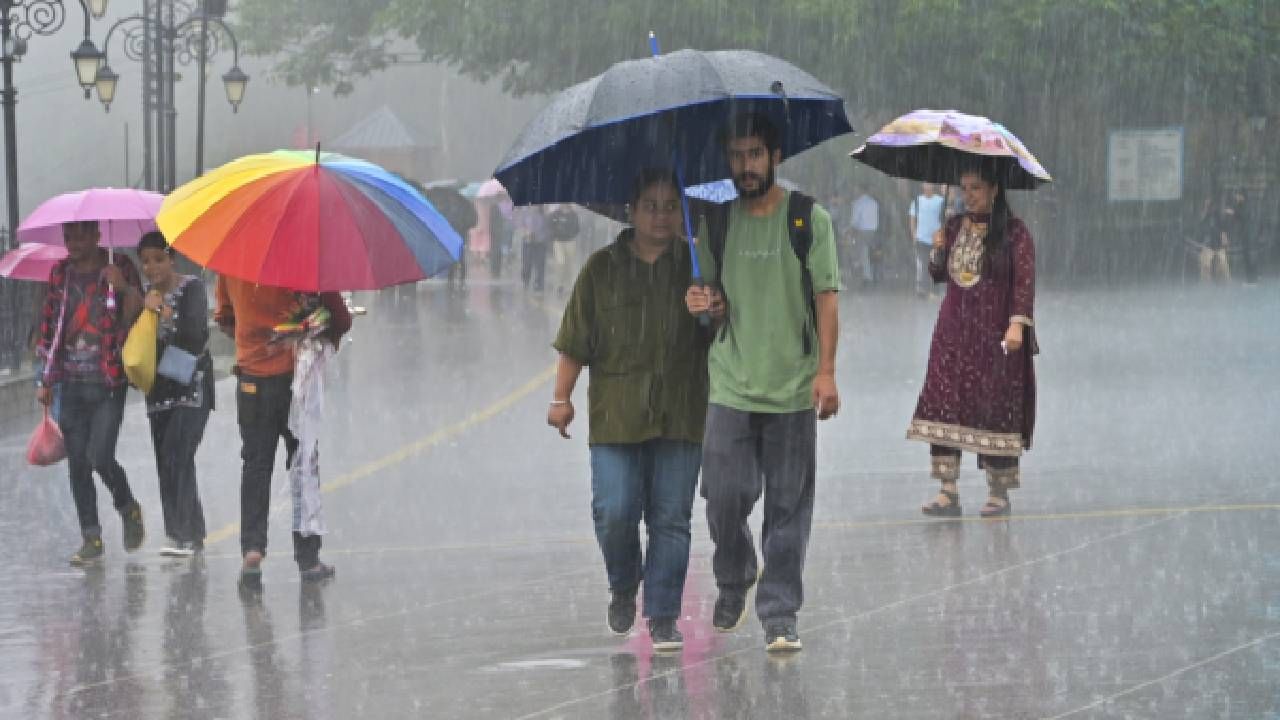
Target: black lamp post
158,40
19,21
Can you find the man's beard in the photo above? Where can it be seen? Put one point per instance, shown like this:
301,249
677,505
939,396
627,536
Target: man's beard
763,186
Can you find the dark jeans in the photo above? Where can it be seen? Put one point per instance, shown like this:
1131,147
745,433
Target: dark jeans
262,411
745,454
533,263
90,421
654,480
175,436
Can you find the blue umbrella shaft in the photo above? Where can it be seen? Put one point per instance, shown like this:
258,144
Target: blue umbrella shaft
704,318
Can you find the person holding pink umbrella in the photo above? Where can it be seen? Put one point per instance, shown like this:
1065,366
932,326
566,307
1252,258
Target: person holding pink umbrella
93,298
82,331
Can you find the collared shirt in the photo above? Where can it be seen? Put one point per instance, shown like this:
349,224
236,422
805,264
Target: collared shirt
627,322
94,333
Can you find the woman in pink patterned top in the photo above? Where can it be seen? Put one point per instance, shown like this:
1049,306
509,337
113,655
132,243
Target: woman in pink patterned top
980,391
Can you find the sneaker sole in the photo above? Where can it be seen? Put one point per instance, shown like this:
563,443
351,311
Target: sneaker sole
668,646
783,645
81,562
176,553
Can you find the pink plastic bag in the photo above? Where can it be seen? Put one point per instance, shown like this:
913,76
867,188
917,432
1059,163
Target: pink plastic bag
45,446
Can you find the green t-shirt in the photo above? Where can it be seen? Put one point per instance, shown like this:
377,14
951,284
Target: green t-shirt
627,321
760,364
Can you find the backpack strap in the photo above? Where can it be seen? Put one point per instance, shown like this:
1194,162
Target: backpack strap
800,231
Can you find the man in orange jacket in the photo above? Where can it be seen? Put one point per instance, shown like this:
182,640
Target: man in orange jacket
264,369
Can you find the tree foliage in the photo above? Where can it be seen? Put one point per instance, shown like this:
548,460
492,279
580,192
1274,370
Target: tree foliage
880,52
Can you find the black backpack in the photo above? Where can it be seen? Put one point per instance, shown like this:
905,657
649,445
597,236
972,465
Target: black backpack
563,224
799,211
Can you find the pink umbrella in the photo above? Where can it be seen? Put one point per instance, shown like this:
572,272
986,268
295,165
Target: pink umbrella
124,216
31,261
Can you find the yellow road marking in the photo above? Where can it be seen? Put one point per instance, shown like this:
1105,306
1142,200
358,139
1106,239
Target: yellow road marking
902,522
398,456
1083,515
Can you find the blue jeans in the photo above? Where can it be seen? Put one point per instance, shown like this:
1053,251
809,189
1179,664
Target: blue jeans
90,419
656,480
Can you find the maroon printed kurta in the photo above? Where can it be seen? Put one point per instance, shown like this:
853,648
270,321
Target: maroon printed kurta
975,397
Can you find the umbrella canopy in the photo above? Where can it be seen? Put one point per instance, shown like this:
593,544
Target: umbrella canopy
309,221
934,145
124,216
31,261
589,142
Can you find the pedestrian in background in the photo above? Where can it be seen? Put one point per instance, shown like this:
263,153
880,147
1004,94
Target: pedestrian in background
924,217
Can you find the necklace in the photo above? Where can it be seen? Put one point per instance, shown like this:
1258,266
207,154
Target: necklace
965,262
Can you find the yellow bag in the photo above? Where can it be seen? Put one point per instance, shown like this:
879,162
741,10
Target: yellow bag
139,352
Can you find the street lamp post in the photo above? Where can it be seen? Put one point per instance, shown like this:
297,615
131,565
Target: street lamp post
19,21
161,39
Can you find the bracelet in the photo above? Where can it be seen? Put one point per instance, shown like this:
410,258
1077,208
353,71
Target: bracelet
559,402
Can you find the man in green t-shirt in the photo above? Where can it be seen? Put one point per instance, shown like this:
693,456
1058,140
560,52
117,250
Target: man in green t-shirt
767,378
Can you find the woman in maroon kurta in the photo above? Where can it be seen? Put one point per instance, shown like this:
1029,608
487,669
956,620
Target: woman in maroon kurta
980,393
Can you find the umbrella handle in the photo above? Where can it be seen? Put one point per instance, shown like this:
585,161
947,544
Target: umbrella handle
110,301
704,318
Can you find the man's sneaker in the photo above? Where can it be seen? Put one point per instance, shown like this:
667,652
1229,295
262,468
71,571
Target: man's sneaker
318,572
731,606
134,532
781,636
89,553
665,635
178,549
622,613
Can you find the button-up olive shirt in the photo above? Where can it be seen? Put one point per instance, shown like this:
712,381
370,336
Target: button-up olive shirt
627,322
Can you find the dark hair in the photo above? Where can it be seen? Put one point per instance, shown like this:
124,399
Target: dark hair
83,224
648,177
1001,213
154,240
749,125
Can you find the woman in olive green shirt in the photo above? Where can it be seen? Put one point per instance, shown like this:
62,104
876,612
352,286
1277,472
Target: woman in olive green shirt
626,320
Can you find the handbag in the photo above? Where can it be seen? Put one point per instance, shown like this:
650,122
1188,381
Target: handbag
46,445
139,352
177,365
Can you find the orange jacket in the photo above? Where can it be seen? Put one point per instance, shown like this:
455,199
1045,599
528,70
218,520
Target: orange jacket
253,310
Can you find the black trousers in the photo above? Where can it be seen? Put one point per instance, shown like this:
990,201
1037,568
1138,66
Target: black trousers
533,263
175,437
262,411
90,422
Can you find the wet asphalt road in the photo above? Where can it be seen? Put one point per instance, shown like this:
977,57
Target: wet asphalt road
1139,576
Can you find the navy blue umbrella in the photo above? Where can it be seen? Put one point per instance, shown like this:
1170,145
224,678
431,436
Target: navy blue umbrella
588,144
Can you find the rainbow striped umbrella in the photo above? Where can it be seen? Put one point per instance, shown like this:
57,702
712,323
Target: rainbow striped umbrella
309,221
934,145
